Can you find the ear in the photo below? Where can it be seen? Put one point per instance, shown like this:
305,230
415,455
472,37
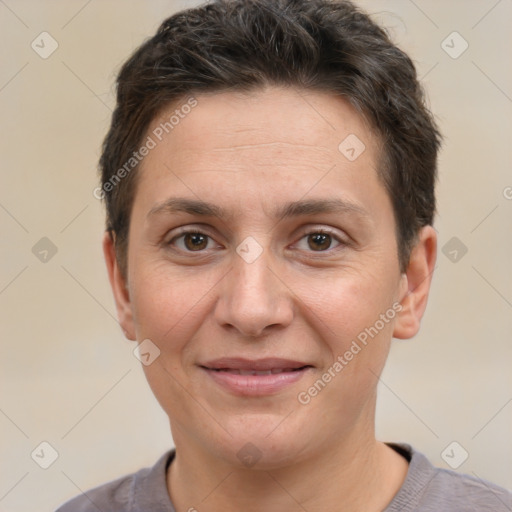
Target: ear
119,287
416,284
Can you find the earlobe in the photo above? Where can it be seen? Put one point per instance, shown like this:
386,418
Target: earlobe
119,288
416,283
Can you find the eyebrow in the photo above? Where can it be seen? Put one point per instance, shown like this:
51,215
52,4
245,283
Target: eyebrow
292,209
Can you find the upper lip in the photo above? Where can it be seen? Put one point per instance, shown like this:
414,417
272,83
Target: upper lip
239,363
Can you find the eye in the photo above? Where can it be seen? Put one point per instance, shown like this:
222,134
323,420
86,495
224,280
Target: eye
192,241
319,241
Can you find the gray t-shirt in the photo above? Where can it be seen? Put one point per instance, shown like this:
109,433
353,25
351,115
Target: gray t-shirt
425,489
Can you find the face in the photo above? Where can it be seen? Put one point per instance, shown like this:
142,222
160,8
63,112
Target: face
260,255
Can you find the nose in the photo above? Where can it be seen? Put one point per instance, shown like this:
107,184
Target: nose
253,298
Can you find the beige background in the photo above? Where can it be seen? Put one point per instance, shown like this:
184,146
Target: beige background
68,377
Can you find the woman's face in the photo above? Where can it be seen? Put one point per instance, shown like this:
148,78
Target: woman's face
261,247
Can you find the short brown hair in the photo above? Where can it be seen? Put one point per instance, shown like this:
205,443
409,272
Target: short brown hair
320,45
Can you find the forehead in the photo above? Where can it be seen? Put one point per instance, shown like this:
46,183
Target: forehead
268,143
274,116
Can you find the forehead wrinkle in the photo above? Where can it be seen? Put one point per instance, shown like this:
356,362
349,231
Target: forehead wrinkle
205,160
270,144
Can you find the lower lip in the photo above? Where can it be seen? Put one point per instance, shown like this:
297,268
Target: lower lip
255,385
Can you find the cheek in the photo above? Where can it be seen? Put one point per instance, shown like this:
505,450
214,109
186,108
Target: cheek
347,303
347,319
353,318
169,309
168,306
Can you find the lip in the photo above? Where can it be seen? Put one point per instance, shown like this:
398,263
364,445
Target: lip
233,374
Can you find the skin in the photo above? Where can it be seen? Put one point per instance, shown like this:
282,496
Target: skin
250,153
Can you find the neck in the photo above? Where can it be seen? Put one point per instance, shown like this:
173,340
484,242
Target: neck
362,475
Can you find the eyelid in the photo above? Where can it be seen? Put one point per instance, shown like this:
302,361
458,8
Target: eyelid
321,229
342,241
181,231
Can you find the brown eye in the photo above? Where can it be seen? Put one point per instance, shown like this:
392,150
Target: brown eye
195,241
319,241
191,241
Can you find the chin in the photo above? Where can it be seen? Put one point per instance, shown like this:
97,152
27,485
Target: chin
262,443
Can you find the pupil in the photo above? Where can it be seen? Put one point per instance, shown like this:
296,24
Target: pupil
195,241
320,241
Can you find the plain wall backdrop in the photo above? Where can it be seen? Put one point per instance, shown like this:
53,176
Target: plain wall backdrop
68,376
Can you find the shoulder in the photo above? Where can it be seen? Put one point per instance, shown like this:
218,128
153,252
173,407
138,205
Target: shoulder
113,496
466,492
124,493
428,489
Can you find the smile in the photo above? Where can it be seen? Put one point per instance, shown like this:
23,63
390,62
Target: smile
244,377
272,371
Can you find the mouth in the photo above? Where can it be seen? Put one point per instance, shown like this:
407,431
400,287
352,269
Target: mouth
245,377
272,371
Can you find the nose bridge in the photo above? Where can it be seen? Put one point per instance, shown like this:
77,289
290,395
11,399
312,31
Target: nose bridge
252,298
252,278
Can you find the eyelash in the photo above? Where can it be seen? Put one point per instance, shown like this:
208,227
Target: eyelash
319,231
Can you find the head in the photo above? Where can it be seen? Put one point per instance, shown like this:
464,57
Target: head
291,140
